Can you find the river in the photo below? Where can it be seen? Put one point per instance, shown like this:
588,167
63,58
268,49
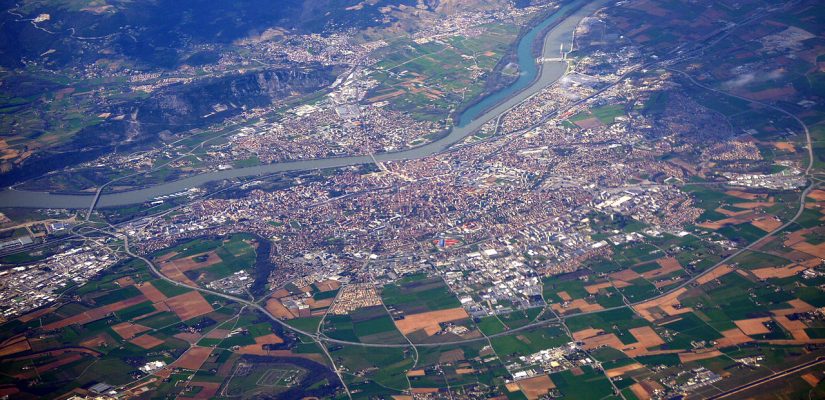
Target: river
534,76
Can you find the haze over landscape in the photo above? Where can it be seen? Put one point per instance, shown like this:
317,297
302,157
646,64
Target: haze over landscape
412,199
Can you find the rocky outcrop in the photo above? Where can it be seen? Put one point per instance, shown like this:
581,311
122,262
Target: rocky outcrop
209,101
175,109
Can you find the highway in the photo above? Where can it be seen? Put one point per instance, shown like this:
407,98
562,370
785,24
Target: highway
561,23
811,185
558,319
321,339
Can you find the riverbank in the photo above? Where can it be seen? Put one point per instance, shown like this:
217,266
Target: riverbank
564,21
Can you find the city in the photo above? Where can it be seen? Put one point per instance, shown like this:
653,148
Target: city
331,210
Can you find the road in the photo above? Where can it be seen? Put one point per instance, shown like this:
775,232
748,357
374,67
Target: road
561,24
811,185
283,323
769,378
557,319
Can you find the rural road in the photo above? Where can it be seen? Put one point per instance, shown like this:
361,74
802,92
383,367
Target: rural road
811,185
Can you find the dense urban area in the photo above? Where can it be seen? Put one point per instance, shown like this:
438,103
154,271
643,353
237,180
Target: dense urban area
648,225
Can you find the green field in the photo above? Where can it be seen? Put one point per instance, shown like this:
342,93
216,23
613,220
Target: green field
387,367
574,287
236,253
615,321
419,294
367,325
529,341
261,379
688,329
434,77
589,385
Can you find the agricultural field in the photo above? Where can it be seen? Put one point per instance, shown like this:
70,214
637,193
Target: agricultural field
428,79
282,376
529,341
203,261
599,116
426,311
419,293
125,319
304,306
458,366
46,111
584,383
374,373
657,233
366,325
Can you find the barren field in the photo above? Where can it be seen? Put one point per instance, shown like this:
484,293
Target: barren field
536,387
593,289
640,391
125,281
586,333
35,314
646,337
796,327
743,195
612,373
753,326
208,390
174,269
146,341
589,123
128,330
816,250
665,303
715,273
733,337
797,306
812,379
778,272
579,304
667,265
818,194
277,309
688,357
625,275
15,347
95,313
767,224
189,305
603,340
193,358
151,292
428,321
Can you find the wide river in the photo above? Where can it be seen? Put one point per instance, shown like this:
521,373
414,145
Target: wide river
535,75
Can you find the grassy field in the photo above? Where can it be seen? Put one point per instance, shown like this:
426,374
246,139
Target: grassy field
690,328
368,325
615,321
529,341
589,385
419,294
263,379
387,367
429,79
236,253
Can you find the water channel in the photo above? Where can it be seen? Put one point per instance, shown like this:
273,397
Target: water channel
535,75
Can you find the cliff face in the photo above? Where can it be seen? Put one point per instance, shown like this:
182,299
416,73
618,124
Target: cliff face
213,100
152,32
176,108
